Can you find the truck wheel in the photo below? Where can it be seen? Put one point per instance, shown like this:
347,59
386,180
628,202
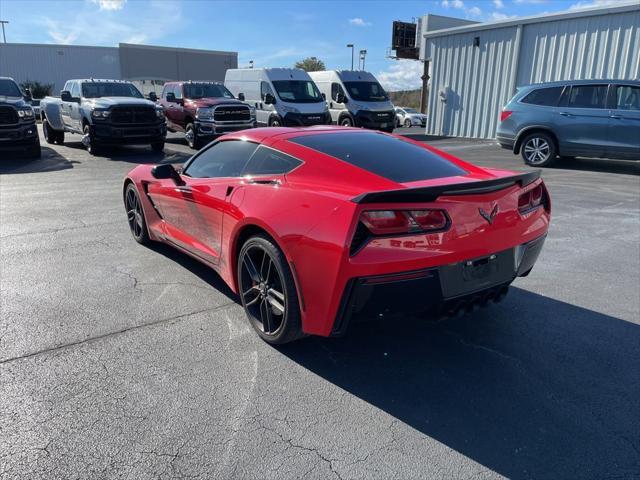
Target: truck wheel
60,137
157,147
191,135
88,141
346,122
34,151
275,122
49,133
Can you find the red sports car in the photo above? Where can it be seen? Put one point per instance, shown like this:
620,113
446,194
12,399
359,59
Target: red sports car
313,227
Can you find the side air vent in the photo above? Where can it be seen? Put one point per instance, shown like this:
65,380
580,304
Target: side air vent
360,238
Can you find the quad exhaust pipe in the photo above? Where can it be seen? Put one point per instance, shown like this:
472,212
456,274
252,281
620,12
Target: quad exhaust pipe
461,306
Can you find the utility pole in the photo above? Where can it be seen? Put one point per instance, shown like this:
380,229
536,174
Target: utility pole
4,36
363,53
350,45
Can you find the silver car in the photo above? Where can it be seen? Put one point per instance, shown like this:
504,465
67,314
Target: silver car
408,117
579,118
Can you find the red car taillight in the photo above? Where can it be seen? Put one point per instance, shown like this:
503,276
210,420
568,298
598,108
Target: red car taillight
533,199
388,222
504,114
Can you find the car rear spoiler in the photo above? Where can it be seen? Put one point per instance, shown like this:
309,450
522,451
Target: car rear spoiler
429,194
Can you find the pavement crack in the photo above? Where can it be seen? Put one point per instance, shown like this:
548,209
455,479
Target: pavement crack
114,333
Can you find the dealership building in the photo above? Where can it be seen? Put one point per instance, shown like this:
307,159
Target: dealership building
475,69
148,66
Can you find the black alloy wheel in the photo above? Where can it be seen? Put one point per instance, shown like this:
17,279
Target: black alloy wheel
407,123
268,292
135,215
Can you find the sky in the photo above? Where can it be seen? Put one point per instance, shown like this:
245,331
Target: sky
271,33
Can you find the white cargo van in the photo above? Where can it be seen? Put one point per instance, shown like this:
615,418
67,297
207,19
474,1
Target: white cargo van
281,96
355,98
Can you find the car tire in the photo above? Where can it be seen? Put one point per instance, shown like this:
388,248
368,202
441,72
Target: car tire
135,215
275,121
346,121
268,292
89,141
50,135
157,146
407,123
34,152
539,150
60,137
191,135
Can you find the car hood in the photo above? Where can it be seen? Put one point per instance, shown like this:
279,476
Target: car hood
213,101
13,101
106,102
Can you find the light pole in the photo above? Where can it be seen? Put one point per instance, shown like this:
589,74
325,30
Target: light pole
363,53
4,37
350,45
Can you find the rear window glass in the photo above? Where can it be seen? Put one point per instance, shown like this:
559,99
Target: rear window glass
544,96
386,156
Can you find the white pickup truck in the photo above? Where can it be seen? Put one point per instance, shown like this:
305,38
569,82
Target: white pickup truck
104,112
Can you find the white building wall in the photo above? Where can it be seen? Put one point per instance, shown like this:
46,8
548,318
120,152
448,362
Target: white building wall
57,63
482,79
474,81
604,46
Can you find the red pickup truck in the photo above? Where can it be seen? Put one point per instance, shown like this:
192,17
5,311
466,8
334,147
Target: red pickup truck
203,110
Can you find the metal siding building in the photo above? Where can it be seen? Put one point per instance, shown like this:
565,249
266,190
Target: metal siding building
476,81
56,64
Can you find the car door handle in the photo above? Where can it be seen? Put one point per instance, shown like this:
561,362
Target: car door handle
566,114
258,181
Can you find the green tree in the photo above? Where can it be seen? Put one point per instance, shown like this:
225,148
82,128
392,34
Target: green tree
38,90
311,64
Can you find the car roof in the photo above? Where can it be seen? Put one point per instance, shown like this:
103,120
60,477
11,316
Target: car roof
560,83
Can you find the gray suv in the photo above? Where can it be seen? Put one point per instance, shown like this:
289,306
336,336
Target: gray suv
586,118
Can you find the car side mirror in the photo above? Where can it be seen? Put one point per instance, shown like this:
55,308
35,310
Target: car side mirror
241,97
171,97
167,171
27,95
152,96
340,98
324,97
65,96
269,99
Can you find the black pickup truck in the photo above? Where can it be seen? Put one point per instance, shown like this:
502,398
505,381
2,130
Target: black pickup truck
18,130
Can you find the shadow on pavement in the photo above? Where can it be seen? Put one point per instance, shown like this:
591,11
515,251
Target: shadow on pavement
137,154
421,137
50,161
530,388
205,273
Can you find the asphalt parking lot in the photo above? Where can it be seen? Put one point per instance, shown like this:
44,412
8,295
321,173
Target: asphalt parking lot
120,361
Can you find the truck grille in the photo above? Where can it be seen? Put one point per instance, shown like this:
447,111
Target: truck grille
232,113
382,116
133,115
8,116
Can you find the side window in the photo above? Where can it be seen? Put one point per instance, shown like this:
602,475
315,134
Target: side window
544,96
588,96
270,162
335,90
224,159
67,86
177,91
627,97
264,89
75,90
165,89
